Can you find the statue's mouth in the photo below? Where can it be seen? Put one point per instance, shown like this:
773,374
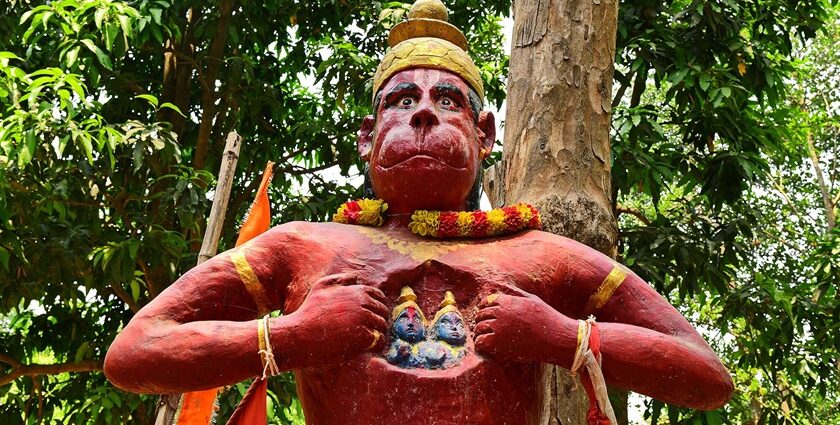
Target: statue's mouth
418,160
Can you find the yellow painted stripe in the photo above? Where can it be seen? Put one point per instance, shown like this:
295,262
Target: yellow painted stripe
606,290
251,282
261,337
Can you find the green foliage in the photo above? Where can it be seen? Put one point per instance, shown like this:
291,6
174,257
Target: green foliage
715,104
114,115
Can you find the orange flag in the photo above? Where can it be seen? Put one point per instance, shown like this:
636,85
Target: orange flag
198,407
252,410
259,218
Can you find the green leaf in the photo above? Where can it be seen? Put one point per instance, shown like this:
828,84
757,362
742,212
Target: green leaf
28,150
87,147
149,98
100,54
135,290
100,16
125,24
71,56
111,31
45,18
168,105
705,81
156,15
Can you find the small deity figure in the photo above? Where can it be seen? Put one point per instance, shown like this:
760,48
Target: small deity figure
448,336
408,331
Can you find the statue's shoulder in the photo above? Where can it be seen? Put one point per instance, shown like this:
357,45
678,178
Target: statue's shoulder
546,240
313,231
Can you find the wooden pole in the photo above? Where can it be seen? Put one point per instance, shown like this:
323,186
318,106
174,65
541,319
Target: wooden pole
170,404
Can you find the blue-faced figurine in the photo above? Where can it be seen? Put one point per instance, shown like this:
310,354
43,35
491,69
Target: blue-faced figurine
449,336
408,330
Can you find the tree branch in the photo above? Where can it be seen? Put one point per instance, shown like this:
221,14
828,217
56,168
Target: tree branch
19,369
634,212
827,201
208,95
298,171
124,296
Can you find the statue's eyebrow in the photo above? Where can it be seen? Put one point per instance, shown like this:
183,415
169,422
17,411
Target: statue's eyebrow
451,90
400,90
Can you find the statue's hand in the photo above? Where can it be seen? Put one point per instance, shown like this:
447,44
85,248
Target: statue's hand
522,327
338,318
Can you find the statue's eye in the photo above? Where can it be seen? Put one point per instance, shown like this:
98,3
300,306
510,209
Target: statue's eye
446,101
407,101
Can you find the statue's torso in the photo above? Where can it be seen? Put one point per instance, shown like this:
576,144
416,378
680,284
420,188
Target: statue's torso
367,389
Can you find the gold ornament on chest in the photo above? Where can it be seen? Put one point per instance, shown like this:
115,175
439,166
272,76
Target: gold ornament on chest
418,251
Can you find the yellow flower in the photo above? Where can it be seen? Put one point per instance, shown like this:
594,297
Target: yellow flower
495,221
524,212
372,211
339,217
424,222
465,222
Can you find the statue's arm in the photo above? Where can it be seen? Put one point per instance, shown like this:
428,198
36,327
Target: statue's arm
201,332
647,346
651,348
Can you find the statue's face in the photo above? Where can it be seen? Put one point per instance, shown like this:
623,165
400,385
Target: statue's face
424,146
409,326
450,328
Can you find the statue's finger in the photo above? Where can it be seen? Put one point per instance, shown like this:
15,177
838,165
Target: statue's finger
377,322
483,343
486,313
484,327
376,307
338,279
377,294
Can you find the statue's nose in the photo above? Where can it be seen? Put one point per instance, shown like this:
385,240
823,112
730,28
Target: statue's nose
424,117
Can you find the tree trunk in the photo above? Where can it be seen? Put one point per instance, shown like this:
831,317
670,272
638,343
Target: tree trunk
557,143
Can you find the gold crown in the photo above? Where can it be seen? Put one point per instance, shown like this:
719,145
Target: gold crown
428,40
407,299
448,305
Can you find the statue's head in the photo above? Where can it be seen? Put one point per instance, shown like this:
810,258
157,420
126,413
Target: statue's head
409,323
427,136
448,324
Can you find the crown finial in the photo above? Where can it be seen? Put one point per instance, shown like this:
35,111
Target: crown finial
448,299
428,9
407,294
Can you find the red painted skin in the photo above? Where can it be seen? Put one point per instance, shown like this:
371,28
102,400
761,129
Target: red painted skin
338,283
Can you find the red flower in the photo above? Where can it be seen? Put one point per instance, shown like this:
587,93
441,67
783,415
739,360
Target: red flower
479,227
535,222
351,211
448,224
512,219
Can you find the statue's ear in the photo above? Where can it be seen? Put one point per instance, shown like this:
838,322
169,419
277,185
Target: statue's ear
364,139
486,132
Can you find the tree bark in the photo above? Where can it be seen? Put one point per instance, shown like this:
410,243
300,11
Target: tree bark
828,203
557,143
208,84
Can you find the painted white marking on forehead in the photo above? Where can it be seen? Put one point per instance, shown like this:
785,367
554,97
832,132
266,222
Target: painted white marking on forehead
426,78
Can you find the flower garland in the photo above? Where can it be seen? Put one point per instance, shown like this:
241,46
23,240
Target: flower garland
368,212
446,224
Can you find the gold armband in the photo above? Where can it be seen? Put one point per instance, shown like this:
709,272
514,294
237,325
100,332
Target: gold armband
606,289
251,282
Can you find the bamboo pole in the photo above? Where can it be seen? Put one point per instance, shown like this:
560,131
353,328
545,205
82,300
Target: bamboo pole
170,404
